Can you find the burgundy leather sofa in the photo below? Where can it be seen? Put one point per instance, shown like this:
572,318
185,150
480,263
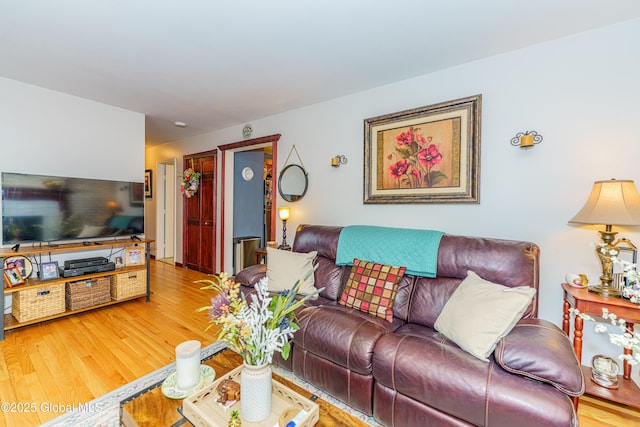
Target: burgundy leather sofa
404,372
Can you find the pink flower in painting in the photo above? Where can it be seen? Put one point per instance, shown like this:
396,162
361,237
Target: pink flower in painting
430,156
410,136
399,168
405,138
417,160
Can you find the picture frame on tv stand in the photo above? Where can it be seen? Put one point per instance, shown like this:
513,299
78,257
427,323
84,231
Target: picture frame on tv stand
134,255
12,277
49,271
119,261
22,263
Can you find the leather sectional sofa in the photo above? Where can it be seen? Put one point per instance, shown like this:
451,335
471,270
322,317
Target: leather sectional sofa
405,372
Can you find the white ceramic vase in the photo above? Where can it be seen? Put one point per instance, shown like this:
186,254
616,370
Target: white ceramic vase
255,392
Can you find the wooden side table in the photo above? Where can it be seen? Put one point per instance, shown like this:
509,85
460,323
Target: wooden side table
627,393
261,256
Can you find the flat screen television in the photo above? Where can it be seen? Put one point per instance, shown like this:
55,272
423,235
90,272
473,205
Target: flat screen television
38,208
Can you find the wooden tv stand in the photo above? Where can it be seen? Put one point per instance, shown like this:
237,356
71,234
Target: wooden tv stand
37,252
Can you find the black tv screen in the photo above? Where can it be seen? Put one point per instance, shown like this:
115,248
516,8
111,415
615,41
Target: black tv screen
38,208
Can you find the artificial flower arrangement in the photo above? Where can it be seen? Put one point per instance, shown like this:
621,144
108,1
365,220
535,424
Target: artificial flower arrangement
190,182
631,290
626,339
259,327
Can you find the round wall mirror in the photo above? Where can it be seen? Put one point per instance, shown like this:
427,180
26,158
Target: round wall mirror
292,183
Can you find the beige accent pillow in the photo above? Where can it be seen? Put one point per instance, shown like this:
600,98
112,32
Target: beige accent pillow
480,313
284,268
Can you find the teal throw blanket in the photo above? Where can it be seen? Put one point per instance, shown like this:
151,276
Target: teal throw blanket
401,247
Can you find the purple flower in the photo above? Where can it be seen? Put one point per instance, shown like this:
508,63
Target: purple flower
284,323
219,306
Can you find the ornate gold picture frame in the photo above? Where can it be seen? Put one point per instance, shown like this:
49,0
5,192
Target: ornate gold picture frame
425,155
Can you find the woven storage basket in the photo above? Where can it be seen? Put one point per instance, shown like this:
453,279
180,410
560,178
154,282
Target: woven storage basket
39,302
86,293
129,284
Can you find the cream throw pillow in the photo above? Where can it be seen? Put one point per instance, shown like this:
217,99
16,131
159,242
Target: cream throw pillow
284,268
479,313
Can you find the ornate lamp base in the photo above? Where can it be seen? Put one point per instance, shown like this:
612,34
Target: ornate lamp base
605,291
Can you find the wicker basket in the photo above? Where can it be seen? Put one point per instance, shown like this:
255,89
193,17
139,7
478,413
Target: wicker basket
39,302
130,284
87,293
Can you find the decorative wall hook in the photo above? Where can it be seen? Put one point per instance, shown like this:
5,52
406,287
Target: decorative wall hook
526,140
339,160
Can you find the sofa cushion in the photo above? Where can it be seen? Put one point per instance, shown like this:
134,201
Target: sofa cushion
538,349
479,313
342,335
251,275
415,361
372,288
284,268
508,262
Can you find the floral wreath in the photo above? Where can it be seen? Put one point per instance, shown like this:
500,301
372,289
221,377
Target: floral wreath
190,182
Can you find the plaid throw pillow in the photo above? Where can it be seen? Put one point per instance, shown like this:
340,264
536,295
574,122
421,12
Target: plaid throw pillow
372,288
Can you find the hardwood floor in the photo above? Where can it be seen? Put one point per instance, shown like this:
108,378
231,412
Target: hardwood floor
48,368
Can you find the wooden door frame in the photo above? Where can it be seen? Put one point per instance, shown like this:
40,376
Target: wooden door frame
185,159
243,146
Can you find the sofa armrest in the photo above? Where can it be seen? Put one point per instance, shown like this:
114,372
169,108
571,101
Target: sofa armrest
539,350
251,275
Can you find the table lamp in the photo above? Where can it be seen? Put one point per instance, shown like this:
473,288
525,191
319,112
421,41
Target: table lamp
614,202
284,216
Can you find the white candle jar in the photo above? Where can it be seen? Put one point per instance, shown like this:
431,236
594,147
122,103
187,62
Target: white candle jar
188,364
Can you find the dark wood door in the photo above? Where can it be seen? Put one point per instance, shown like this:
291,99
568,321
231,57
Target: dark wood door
199,251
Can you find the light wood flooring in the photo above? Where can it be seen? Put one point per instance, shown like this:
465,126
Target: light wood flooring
52,366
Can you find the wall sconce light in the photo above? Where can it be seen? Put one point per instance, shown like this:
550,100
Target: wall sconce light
526,140
339,160
284,216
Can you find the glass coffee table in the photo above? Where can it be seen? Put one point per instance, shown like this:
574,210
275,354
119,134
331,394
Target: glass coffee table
150,407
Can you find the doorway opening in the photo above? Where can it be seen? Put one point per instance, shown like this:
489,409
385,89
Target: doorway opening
235,173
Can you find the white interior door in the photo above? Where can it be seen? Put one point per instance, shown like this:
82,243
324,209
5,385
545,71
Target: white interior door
166,206
169,210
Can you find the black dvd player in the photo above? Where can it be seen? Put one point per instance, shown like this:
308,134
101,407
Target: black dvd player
99,268
85,262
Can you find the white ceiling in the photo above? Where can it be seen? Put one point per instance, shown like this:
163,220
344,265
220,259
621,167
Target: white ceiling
220,63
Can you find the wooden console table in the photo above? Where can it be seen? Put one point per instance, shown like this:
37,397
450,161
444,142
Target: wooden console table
261,256
75,249
628,393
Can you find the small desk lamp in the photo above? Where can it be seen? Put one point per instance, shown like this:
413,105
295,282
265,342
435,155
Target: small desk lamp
610,203
284,216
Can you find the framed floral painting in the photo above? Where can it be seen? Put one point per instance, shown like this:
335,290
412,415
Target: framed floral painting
425,155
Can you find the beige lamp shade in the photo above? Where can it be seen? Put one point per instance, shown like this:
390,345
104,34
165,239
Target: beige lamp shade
613,202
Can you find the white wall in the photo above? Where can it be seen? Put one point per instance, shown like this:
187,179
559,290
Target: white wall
580,93
52,133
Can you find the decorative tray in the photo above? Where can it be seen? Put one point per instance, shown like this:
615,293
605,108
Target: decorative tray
203,410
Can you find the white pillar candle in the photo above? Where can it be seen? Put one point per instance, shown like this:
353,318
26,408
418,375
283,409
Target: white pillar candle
188,364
